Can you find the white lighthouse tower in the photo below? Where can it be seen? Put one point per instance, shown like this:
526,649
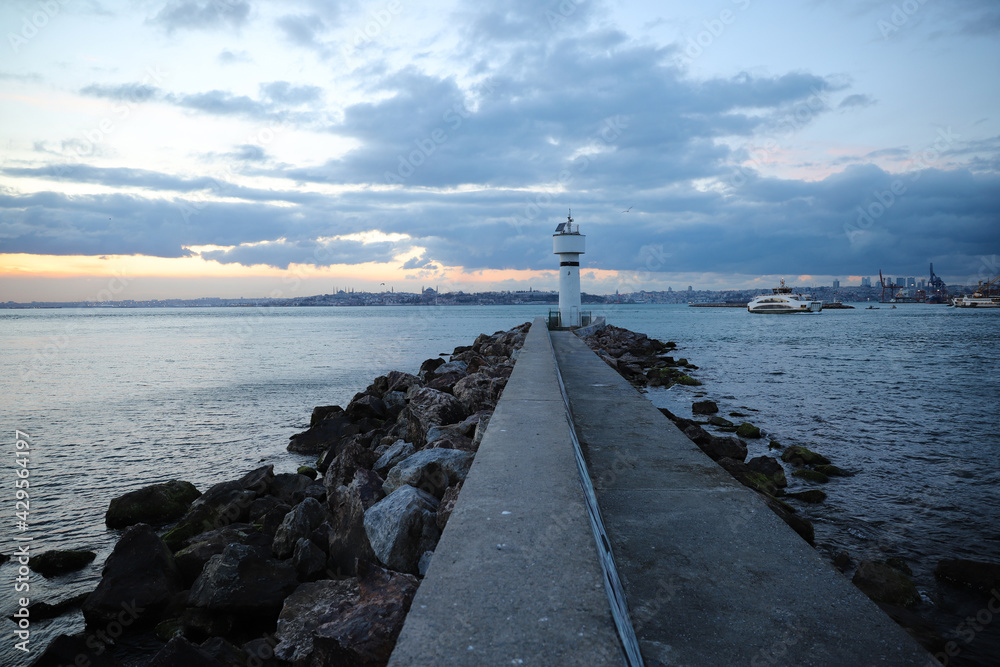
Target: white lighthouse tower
569,244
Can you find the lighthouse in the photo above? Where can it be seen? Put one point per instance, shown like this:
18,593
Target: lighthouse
569,244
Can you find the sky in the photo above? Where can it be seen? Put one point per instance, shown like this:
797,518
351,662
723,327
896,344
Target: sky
192,148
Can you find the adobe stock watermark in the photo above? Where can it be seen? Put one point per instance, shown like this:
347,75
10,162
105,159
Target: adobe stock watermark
899,16
714,29
868,213
33,24
424,147
610,131
968,630
564,10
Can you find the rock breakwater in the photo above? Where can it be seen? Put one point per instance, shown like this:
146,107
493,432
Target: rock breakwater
314,567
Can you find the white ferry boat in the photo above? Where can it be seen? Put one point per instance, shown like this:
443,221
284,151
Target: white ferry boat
782,301
985,296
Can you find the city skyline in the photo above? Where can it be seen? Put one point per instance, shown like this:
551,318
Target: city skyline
185,148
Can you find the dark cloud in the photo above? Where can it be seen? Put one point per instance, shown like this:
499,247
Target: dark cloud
202,14
282,253
559,115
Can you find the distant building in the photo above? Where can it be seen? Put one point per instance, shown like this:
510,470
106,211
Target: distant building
836,284
866,282
911,282
690,289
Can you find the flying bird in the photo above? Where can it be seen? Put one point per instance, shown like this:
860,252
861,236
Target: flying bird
628,209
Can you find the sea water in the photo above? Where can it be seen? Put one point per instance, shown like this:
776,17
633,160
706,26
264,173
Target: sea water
116,399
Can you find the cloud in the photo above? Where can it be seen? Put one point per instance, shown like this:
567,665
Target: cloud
856,101
320,252
202,14
283,92
22,77
228,57
302,29
127,92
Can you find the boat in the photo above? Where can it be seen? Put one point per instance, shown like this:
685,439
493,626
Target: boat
782,301
986,296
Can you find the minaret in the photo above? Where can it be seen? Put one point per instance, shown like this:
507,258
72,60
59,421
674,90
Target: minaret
569,244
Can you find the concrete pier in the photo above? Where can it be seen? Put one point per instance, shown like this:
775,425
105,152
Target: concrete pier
711,575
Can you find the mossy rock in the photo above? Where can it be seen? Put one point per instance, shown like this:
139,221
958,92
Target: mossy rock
687,381
811,475
748,430
308,471
811,496
738,414
803,456
832,470
61,561
883,583
774,444
761,482
682,362
722,422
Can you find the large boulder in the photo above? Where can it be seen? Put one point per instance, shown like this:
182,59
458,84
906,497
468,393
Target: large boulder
447,505
396,452
346,622
223,504
399,381
75,650
478,391
60,561
769,466
323,434
432,470
290,487
352,456
180,651
348,542
311,605
430,407
191,559
977,575
298,523
402,526
704,407
802,456
309,560
884,583
243,580
139,581
158,503
366,406
719,448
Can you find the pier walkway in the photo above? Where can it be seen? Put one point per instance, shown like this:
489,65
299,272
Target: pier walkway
710,575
